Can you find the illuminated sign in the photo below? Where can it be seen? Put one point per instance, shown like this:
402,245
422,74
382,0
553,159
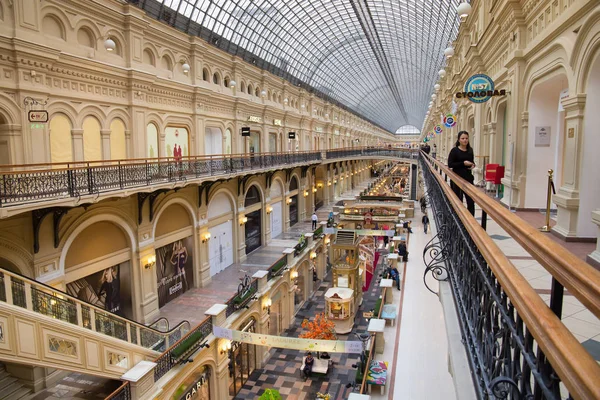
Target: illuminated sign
277,122
479,89
254,119
39,116
245,131
449,120
291,135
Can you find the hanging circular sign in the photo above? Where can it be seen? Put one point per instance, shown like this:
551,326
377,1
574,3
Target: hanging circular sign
450,120
438,129
479,89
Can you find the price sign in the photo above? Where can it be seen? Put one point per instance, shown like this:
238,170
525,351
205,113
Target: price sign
38,116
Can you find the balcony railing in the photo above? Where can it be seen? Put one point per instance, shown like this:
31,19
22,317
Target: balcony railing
22,184
34,296
517,347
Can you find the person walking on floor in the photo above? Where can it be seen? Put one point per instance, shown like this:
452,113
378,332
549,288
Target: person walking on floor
461,161
315,219
425,221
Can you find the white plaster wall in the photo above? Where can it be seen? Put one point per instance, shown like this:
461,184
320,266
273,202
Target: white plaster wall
590,167
543,111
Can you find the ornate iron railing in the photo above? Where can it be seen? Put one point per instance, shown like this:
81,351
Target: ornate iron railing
122,393
21,184
516,346
61,306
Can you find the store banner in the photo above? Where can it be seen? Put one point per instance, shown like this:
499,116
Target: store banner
174,269
369,232
283,342
102,289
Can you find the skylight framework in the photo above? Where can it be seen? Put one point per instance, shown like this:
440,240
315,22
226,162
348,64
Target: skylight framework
377,58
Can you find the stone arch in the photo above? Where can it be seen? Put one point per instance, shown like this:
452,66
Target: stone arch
149,57
540,69
277,181
117,113
166,62
60,107
206,74
10,109
92,111
259,189
166,203
119,40
88,219
90,27
294,176
227,193
585,50
18,256
53,25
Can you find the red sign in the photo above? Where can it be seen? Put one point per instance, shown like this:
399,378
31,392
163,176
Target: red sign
494,173
40,116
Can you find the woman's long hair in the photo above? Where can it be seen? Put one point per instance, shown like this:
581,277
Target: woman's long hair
458,140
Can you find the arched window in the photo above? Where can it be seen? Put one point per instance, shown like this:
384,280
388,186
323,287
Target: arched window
226,82
61,147
243,87
118,146
252,197
293,184
92,143
148,57
52,26
257,92
216,79
85,37
152,141
205,74
250,89
166,63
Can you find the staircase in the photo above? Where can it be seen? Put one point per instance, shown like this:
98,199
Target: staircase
11,388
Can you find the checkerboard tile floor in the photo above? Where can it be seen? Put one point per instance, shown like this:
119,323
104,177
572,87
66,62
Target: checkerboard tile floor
281,370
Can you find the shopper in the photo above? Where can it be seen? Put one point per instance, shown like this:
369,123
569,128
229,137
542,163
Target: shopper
315,219
425,221
461,160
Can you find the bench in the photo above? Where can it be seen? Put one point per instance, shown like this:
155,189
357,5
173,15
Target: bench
389,312
320,366
377,375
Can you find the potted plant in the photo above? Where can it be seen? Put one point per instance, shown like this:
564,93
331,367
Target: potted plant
270,394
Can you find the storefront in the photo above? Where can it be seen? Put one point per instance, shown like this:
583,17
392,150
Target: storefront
196,386
174,269
253,227
293,201
242,360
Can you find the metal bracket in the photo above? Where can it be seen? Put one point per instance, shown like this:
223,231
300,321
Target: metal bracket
270,178
153,196
303,171
242,184
38,217
142,196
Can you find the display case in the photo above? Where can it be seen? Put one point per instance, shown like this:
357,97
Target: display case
340,308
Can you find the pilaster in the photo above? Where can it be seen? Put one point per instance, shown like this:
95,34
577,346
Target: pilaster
77,138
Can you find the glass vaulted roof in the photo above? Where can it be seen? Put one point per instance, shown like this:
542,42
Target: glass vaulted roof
377,58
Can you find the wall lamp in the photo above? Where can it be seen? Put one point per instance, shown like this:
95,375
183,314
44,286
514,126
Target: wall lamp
305,193
185,66
269,209
320,185
109,44
313,255
150,262
328,183
243,220
206,237
289,200
294,275
267,306
327,241
226,347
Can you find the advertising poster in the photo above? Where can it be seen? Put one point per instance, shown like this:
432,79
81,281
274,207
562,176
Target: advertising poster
542,136
174,269
107,289
176,142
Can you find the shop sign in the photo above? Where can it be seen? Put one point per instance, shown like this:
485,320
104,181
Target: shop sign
450,120
438,129
291,135
254,119
38,116
479,89
196,389
245,131
370,232
277,122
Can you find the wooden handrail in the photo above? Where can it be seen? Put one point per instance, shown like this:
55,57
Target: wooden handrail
572,362
580,278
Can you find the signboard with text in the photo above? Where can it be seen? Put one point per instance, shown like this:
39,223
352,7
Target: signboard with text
39,116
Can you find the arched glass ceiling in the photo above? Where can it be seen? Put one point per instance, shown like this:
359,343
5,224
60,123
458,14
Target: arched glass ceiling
378,58
408,130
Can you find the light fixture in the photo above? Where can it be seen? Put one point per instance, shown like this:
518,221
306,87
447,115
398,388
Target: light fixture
150,262
243,220
110,44
294,275
442,73
303,106
226,347
434,96
269,209
464,10
449,52
305,193
313,255
328,183
232,83
206,237
289,200
314,190
267,306
320,185
437,87
327,241
263,93
285,100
